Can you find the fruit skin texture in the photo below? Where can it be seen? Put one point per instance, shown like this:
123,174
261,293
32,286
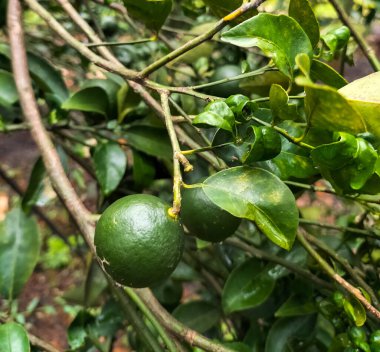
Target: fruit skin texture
137,241
225,89
205,219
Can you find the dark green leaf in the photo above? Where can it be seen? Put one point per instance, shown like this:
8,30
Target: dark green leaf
35,186
326,74
302,12
286,329
143,169
110,164
152,13
46,77
223,8
238,346
216,114
278,36
152,141
95,284
19,250
198,315
127,102
257,195
13,338
266,145
278,102
8,91
296,305
92,99
327,109
248,286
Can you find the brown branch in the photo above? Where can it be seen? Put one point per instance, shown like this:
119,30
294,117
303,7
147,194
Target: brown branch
32,115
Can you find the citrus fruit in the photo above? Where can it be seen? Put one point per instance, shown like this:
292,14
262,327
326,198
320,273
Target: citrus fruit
138,243
204,219
225,89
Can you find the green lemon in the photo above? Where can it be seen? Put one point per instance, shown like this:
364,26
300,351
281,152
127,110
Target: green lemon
137,241
225,89
204,219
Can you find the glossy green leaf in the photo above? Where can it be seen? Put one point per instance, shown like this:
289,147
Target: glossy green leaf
19,250
337,39
35,186
8,91
338,154
13,338
198,315
278,102
278,36
45,76
296,305
284,330
363,96
93,99
266,145
110,87
216,114
320,71
327,109
257,195
248,286
110,164
152,13
152,141
302,12
143,169
355,311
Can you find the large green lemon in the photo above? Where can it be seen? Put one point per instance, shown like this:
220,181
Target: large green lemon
137,241
204,219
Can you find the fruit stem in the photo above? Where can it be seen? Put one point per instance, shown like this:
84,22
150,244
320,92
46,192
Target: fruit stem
178,157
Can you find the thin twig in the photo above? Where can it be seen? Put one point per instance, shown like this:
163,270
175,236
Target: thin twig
367,50
331,272
201,38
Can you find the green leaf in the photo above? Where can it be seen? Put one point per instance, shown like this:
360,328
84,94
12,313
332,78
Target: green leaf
94,285
337,39
35,186
296,305
152,141
198,315
143,169
152,13
127,102
216,114
266,145
45,76
278,102
257,195
13,338
327,109
225,7
19,250
355,311
93,99
8,91
284,330
278,36
326,74
248,286
302,12
363,96
110,164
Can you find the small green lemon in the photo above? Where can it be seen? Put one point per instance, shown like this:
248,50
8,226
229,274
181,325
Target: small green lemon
137,241
204,219
225,89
